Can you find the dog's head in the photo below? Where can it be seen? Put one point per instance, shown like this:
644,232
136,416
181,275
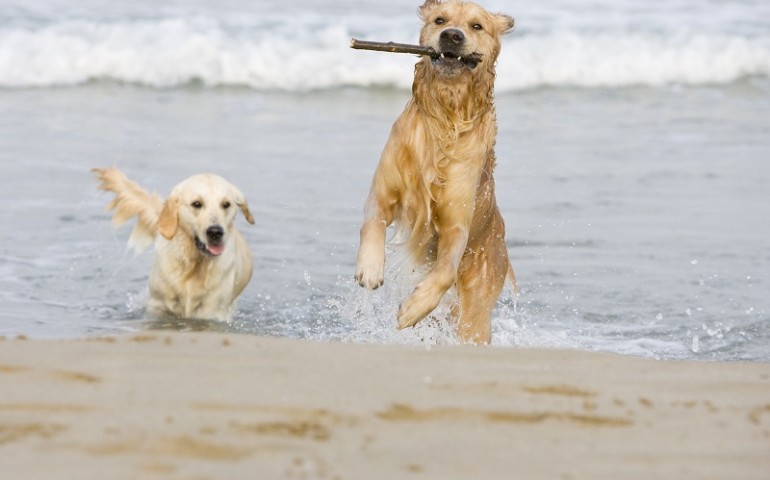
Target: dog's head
203,207
465,36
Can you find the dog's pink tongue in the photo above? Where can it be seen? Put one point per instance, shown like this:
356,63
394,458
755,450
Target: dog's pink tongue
216,249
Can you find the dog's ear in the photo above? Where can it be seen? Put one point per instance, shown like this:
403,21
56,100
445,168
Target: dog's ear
240,200
427,7
168,221
504,23
246,213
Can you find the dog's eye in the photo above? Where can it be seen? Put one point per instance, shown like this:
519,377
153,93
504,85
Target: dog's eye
225,205
197,205
439,21
477,26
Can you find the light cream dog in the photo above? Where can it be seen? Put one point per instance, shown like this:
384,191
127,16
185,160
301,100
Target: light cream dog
434,178
202,262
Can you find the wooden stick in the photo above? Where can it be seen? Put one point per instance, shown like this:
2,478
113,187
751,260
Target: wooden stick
392,47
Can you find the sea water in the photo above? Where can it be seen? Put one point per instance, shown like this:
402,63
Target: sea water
633,166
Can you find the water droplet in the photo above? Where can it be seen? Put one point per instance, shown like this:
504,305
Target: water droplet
695,344
694,261
659,316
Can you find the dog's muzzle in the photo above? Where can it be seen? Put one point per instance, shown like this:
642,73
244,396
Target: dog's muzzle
214,245
450,56
451,38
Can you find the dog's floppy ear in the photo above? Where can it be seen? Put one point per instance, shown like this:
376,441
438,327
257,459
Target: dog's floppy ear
246,213
427,7
168,221
240,200
504,23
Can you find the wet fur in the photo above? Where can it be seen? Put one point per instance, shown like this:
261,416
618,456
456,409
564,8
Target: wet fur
184,282
435,178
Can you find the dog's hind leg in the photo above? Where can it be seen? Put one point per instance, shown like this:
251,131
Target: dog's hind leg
480,280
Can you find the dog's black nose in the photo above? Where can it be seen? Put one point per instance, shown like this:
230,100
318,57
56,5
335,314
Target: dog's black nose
452,36
214,234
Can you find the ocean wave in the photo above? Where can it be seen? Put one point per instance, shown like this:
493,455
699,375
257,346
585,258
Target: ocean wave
176,52
619,59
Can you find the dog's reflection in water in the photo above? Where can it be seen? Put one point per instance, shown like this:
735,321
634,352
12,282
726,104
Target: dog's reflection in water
173,323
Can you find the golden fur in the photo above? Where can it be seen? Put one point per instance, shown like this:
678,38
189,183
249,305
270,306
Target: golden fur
195,273
434,178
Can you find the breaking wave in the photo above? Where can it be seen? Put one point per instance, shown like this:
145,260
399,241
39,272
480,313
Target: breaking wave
170,53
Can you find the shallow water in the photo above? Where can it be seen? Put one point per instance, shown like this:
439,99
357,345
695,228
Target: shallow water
636,218
633,174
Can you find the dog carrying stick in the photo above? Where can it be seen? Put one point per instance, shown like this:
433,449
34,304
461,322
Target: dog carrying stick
392,47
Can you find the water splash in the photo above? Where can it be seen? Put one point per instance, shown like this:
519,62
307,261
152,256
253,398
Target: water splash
371,315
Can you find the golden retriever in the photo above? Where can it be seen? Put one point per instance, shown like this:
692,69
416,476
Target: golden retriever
434,178
202,262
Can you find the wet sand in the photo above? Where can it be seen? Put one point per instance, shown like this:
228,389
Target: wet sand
202,405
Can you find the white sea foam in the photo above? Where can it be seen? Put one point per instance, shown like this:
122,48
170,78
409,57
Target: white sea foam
612,59
175,52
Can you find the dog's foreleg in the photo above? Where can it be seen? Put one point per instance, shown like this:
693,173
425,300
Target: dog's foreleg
378,215
427,295
453,217
370,261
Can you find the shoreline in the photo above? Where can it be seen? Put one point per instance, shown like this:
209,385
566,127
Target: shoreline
206,405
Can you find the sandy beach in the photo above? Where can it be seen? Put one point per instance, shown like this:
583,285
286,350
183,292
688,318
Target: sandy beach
203,405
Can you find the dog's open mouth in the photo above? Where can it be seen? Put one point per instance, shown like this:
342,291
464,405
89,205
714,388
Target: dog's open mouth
210,250
452,59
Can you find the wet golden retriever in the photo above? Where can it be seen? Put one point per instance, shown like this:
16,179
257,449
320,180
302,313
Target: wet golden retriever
202,262
434,178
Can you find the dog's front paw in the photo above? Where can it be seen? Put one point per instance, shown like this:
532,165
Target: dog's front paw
370,271
420,303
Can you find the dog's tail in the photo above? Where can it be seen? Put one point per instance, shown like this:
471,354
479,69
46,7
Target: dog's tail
130,201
